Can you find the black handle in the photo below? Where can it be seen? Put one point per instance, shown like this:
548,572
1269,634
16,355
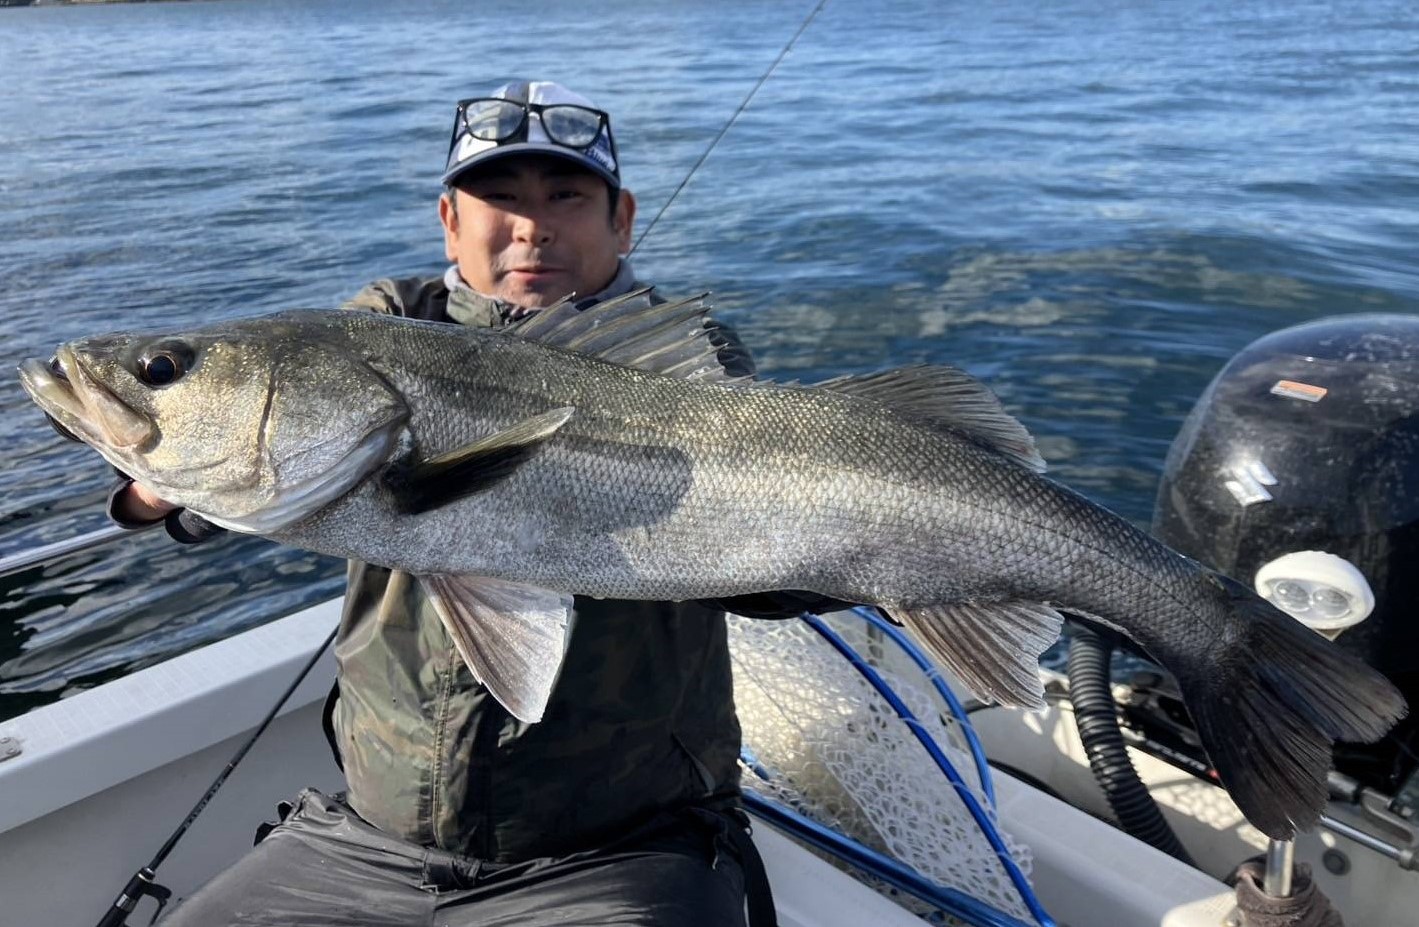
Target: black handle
141,884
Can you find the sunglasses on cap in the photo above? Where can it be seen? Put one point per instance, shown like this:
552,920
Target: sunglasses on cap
492,119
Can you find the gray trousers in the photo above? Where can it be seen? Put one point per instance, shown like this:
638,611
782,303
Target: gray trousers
325,866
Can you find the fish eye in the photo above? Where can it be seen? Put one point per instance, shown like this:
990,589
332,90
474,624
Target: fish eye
163,365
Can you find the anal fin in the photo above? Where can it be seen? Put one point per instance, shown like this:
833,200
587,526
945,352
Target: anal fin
994,648
513,637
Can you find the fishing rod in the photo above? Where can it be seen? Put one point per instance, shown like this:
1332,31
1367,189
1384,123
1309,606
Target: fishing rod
144,881
743,104
108,534
25,560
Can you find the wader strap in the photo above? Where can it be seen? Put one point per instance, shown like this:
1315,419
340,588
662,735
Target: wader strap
757,894
731,826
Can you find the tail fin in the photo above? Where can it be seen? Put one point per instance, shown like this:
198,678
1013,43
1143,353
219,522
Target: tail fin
1270,706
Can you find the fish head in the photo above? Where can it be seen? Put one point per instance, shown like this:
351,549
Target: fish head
253,424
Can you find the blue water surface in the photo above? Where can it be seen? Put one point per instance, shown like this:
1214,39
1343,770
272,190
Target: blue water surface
1089,205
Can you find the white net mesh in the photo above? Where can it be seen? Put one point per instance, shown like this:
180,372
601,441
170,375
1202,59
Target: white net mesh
835,750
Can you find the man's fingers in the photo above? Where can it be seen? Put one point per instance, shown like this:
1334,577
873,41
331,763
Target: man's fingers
132,506
145,497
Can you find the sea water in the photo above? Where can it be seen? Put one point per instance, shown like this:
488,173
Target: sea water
1089,205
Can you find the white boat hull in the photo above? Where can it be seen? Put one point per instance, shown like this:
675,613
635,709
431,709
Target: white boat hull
104,777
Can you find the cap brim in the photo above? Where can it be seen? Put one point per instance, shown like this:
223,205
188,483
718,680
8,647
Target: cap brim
502,152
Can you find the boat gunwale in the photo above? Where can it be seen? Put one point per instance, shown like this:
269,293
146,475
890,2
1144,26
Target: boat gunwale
99,738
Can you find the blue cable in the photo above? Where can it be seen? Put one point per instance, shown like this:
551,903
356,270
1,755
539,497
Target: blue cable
873,617
968,798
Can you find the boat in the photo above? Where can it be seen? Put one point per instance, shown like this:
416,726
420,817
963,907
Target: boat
95,783
879,796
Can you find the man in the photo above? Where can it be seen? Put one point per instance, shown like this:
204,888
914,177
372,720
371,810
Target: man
621,805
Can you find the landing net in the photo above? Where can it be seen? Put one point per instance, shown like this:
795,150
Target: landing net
822,740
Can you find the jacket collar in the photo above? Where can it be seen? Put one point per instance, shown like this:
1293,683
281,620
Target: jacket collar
469,307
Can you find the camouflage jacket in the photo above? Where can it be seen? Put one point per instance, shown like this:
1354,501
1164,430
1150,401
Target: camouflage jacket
641,719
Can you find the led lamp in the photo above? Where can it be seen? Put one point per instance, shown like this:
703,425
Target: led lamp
1322,591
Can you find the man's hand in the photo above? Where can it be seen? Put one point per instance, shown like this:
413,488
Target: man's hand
133,505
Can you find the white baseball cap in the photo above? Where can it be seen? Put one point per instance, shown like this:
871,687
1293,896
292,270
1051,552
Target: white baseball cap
532,117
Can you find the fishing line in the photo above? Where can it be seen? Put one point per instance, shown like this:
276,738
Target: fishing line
725,128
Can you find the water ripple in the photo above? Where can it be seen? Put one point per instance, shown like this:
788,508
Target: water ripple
1089,209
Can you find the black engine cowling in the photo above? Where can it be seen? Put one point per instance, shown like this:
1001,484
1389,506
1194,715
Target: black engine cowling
1308,440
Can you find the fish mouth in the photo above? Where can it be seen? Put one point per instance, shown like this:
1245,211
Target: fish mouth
80,406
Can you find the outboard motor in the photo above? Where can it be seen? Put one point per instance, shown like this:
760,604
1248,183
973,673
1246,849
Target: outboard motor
1298,472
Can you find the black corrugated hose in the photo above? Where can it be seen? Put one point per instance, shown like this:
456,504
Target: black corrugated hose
1091,692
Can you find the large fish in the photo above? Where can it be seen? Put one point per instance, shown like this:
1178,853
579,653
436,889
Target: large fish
606,453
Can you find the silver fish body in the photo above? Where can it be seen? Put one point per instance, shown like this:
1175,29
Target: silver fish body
658,488
910,490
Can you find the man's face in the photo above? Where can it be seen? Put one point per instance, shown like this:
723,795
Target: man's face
531,230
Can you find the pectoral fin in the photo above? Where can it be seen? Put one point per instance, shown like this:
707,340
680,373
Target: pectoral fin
430,484
993,648
512,637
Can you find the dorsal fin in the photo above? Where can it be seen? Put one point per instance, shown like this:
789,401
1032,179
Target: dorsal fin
945,396
670,338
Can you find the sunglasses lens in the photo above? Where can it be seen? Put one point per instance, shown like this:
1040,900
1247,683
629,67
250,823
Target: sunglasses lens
492,120
574,126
